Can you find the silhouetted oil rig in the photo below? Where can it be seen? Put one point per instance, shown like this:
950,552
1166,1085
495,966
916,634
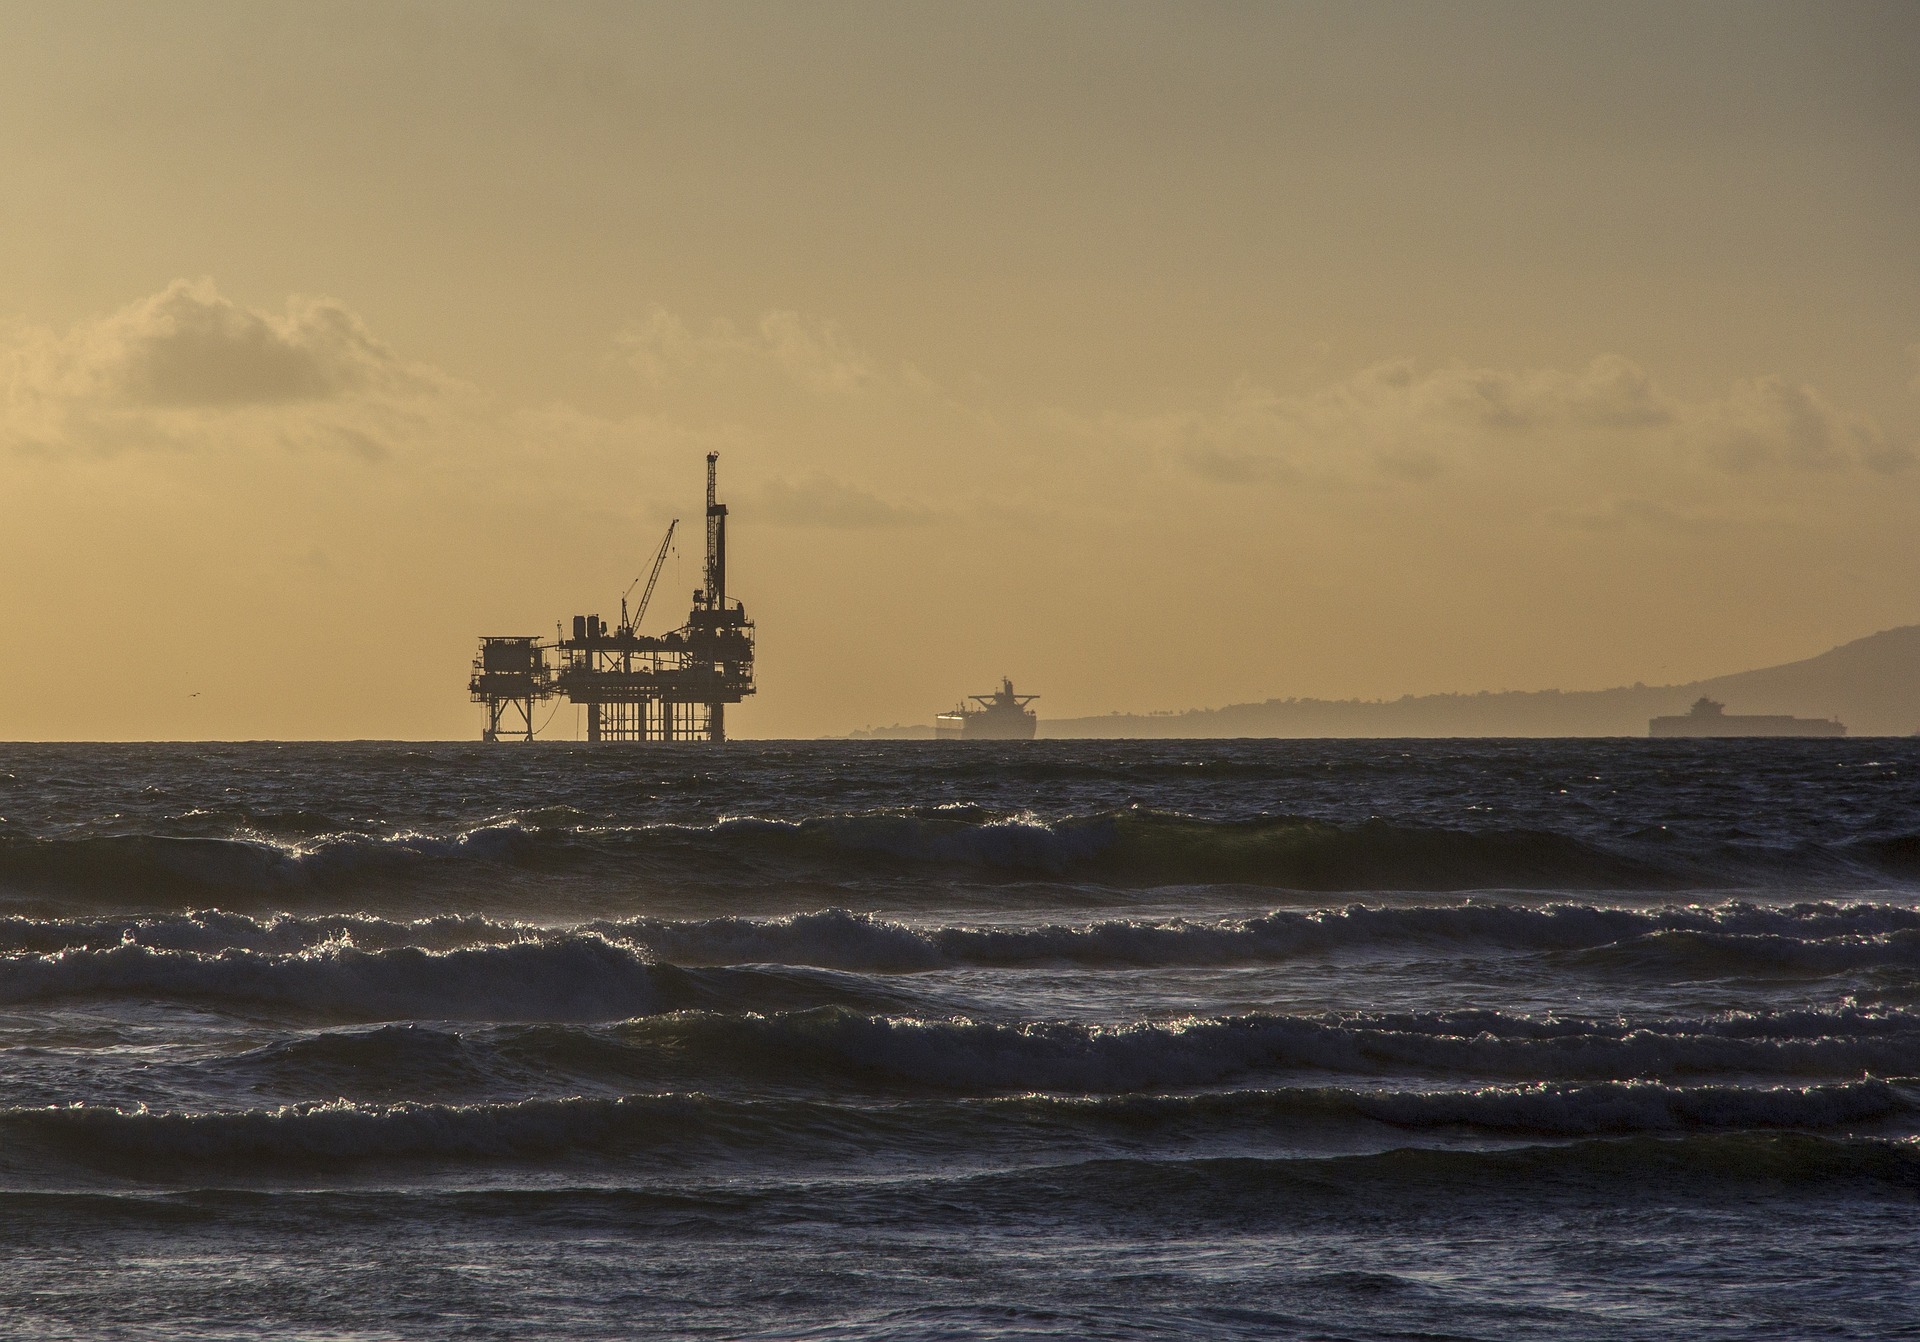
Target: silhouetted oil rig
675,687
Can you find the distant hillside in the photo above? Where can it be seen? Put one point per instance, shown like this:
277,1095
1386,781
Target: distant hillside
1871,684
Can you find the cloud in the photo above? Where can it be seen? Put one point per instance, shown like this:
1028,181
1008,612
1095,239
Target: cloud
802,394
1395,423
1391,421
818,500
1610,393
189,367
1769,422
1235,466
811,354
187,346
1631,513
816,355
1410,464
1613,393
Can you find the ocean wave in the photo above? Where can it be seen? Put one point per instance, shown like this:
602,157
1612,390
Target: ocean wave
788,1129
1136,846
573,978
1390,1186
1690,951
1131,847
838,938
215,930
1538,1109
1071,1056
1498,1181
839,1047
842,939
250,864
812,1051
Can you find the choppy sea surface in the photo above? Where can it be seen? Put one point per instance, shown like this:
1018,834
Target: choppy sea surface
1566,1039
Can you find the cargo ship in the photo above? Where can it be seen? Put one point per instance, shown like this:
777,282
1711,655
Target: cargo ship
1001,716
1709,717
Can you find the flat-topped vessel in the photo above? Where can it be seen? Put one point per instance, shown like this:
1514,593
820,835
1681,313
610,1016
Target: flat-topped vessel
1709,717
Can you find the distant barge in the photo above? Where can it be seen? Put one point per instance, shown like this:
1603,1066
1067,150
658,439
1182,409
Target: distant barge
1709,717
1001,716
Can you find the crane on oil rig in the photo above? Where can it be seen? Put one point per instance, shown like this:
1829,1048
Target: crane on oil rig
627,626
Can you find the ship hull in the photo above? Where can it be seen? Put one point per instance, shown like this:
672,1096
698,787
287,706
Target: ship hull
993,727
1744,725
985,727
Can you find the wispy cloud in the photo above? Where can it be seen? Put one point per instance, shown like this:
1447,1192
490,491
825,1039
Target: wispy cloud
813,354
1771,422
1394,422
1633,513
818,500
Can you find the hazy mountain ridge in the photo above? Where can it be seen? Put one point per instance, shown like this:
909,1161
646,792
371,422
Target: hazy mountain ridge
1872,684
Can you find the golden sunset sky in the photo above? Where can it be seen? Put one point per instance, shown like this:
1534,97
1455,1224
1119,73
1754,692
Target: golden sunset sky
1159,356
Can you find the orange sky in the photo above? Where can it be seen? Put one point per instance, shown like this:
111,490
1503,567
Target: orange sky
1156,355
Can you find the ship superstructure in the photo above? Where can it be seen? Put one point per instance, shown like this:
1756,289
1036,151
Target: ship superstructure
634,687
1000,716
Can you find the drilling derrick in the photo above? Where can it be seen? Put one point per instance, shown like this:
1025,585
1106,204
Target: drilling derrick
722,636
634,687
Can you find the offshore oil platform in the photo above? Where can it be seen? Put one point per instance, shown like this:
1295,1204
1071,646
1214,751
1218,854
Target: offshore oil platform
671,687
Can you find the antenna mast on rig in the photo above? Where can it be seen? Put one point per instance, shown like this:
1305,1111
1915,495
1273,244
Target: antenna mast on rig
716,538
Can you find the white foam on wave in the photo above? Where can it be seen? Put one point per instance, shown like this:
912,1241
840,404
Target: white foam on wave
1640,1107
575,978
215,930
970,1055
341,1129
1132,845
837,938
1541,1108
1817,937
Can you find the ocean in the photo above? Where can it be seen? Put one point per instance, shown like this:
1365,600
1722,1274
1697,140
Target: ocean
1082,1039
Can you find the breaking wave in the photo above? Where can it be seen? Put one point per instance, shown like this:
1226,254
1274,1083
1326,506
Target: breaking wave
844,1050
215,930
575,978
1814,936
152,865
974,1056
1131,847
837,938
